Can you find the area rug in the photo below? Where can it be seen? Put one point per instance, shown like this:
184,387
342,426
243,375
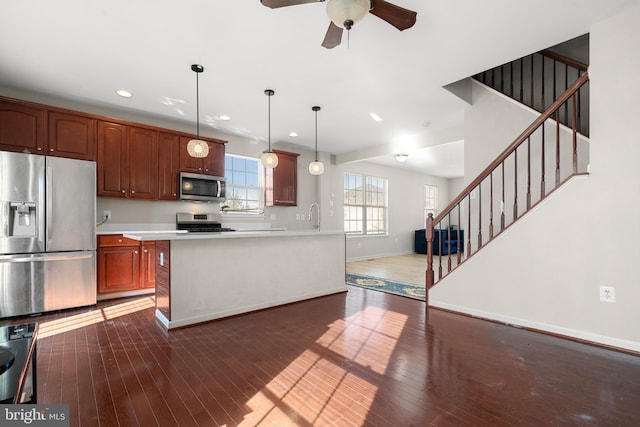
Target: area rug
383,285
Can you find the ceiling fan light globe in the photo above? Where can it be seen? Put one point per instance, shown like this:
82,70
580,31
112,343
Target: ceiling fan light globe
269,159
342,11
316,168
198,148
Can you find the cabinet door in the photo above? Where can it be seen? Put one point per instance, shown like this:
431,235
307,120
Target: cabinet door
22,128
282,181
213,164
148,265
118,269
71,136
143,163
169,165
113,160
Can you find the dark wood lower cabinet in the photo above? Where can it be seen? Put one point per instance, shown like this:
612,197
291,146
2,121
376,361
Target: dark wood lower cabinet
148,265
125,265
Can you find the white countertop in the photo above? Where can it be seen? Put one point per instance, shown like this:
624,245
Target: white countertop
145,236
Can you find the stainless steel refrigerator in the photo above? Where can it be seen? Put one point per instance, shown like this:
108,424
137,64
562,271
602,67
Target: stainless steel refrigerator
47,233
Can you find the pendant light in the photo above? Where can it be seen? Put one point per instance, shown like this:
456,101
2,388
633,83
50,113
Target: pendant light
197,147
269,158
316,168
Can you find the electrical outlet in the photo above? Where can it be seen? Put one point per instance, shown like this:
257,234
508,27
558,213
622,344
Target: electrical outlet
607,294
106,215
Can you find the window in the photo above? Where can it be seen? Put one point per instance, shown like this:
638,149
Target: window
244,189
430,201
365,204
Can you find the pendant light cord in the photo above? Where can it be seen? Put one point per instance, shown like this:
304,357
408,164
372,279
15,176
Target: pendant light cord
316,135
269,118
197,107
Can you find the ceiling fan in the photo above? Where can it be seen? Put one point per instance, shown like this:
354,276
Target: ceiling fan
347,13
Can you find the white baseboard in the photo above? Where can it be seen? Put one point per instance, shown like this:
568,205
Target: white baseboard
170,324
376,256
518,322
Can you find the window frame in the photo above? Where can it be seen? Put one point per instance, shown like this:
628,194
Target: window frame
365,202
253,212
430,194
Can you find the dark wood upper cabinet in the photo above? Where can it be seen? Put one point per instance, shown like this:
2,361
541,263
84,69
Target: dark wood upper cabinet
168,165
213,164
22,128
282,181
133,160
71,136
143,163
113,160
127,161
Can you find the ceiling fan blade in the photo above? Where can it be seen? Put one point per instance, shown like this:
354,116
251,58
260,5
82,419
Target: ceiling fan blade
274,4
333,36
397,16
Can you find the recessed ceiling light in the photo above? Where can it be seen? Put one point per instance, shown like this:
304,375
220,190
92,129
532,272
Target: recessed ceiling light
224,117
124,93
293,134
376,117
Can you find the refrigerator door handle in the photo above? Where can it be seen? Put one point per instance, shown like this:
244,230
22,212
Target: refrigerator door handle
44,257
48,199
5,211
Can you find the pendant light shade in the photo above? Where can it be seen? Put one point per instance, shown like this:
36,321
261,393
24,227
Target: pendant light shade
347,13
316,167
197,147
269,158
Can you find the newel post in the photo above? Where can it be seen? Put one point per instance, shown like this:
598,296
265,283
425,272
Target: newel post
429,274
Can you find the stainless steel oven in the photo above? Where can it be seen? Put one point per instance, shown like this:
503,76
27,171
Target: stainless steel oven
203,188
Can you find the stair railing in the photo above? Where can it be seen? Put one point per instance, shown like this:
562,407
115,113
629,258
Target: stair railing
536,80
505,190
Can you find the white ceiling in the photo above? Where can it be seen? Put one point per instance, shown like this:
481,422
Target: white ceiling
85,50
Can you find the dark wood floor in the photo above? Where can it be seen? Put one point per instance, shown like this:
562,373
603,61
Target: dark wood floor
351,359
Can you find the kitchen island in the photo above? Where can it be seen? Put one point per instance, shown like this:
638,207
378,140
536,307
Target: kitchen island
207,276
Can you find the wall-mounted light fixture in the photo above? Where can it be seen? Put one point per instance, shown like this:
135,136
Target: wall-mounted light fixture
316,167
269,158
197,147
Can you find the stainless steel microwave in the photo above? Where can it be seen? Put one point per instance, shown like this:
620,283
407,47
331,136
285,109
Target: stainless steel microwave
204,188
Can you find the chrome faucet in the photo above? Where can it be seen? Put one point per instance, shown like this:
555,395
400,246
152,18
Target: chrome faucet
317,224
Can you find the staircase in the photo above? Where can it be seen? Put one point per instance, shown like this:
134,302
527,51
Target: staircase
548,153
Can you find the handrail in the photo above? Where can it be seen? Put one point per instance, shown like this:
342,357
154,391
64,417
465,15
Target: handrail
535,80
565,60
486,179
519,140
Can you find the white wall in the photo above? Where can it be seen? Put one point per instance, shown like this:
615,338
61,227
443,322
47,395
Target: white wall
406,207
546,271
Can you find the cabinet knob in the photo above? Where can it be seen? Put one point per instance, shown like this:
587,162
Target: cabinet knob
39,149
200,169
133,191
119,240
50,149
145,251
135,252
123,191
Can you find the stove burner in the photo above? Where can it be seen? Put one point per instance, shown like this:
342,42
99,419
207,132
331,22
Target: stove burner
6,359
